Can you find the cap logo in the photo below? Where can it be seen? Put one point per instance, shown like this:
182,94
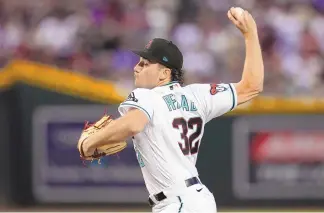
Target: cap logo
148,45
165,59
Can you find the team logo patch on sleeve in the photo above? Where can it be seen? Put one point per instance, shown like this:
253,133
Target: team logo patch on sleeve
215,88
131,97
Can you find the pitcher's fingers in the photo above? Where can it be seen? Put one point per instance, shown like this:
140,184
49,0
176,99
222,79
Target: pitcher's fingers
246,18
232,18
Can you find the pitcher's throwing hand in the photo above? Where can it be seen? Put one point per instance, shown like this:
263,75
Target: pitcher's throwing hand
243,20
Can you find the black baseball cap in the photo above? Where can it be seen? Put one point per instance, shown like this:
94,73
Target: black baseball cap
162,51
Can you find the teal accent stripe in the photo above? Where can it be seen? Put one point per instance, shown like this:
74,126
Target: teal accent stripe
136,106
233,97
181,204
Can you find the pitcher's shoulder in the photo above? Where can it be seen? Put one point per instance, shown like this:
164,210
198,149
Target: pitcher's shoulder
194,88
142,90
139,92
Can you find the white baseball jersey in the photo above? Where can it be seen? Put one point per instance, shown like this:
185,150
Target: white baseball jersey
167,148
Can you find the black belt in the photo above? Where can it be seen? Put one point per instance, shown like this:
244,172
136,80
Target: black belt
161,196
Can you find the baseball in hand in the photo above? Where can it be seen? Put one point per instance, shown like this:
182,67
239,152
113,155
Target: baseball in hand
243,20
238,11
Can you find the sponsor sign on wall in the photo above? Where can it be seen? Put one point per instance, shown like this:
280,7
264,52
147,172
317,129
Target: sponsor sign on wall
278,157
58,172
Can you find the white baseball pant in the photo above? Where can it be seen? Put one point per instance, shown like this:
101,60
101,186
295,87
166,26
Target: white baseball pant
196,199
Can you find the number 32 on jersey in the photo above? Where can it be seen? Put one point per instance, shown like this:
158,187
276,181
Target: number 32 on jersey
188,144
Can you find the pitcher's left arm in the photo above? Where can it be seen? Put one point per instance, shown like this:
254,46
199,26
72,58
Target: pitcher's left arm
126,126
137,111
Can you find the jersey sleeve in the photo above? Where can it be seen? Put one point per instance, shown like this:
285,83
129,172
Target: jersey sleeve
140,99
216,99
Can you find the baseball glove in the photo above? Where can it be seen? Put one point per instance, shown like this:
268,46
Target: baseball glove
90,129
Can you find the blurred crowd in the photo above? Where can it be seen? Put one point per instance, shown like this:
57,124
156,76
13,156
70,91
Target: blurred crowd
94,37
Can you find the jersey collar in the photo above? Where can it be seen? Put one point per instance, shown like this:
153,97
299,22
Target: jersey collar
172,83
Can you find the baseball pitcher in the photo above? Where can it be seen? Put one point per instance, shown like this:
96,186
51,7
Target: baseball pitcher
166,120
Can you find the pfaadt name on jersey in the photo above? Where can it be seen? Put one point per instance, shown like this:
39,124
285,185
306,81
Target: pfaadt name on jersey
183,104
